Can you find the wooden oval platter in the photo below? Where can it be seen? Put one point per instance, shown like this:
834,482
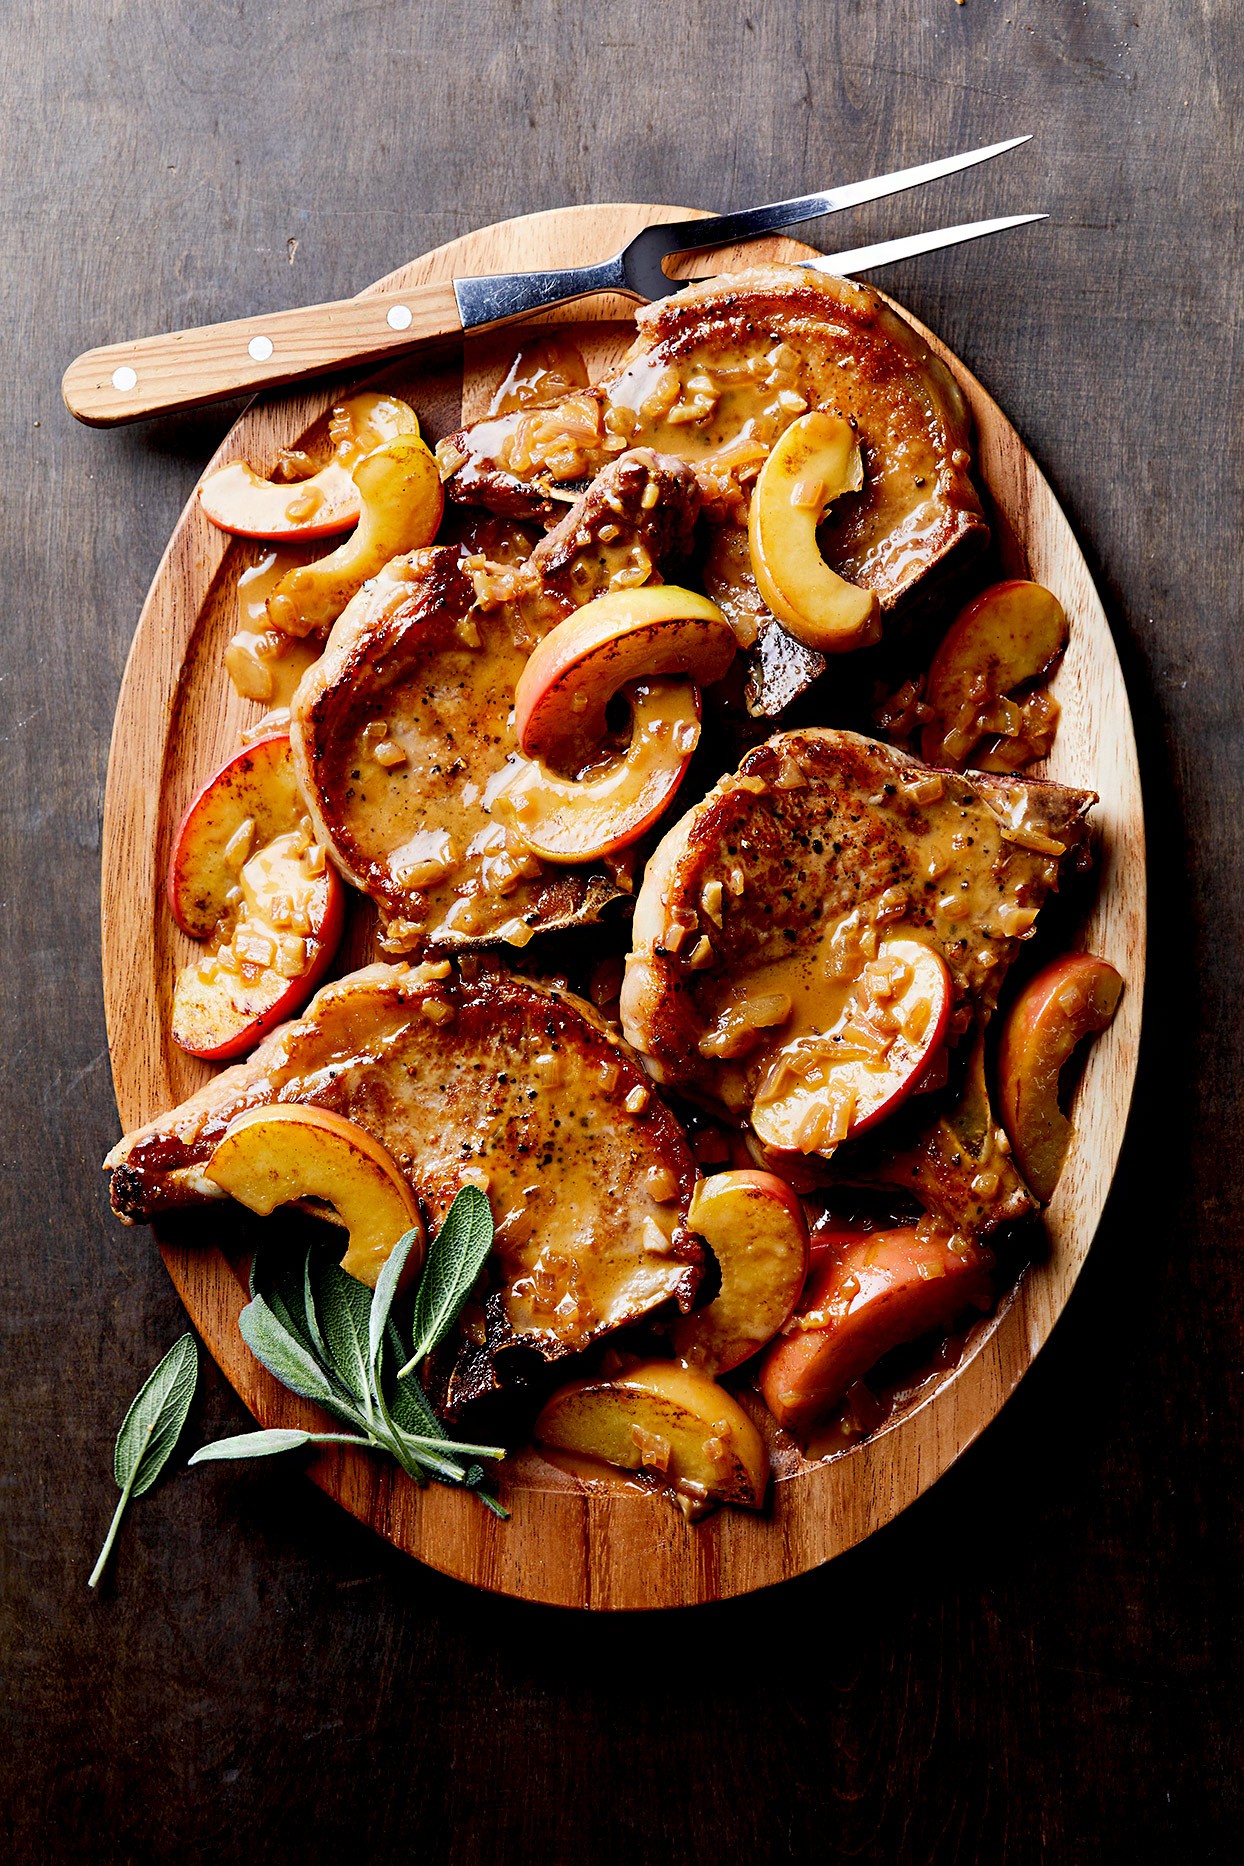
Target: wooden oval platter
570,1542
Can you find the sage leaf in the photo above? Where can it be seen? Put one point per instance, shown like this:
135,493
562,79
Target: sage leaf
324,1335
424,1437
149,1431
310,1310
268,1444
288,1361
453,1445
345,1311
475,1482
386,1290
396,1343
279,1280
411,1410
455,1257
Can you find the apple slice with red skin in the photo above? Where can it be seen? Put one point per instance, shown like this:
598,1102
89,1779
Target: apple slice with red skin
256,783
871,1295
273,1155
1068,1000
563,692
1006,638
267,953
826,1239
754,1225
823,1089
673,1421
241,856
580,819
237,499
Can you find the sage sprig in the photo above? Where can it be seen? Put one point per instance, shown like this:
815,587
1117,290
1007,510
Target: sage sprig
149,1432
325,1336
449,1273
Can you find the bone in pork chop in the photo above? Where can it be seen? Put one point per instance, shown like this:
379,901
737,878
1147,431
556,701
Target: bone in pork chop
781,882
716,374
491,1080
402,726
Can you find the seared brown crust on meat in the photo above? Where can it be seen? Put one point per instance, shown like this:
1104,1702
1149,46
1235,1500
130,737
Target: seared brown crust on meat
639,512
489,1078
792,867
716,373
778,667
401,726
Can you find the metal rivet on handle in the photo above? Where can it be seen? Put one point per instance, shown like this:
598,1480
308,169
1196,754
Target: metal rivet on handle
401,317
124,378
260,348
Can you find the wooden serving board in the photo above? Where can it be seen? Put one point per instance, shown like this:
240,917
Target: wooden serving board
568,1542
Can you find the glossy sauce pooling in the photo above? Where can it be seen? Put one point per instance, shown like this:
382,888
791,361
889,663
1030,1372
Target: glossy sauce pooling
263,662
543,370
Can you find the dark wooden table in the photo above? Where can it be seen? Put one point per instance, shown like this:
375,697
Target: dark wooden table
1041,1660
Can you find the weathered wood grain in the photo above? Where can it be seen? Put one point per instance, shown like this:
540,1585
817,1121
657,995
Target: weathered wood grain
1041,1659
184,369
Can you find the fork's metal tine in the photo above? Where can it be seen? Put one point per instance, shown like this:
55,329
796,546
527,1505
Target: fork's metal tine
886,252
723,229
638,268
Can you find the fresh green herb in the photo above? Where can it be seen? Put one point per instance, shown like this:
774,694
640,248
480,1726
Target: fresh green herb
454,1261
149,1431
324,1335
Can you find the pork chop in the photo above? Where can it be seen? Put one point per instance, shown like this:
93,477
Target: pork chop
469,1074
716,374
777,668
402,725
779,885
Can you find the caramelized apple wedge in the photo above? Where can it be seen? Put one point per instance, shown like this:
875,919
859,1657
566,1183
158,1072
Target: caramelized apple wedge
1008,637
581,819
754,1225
816,460
1069,1000
400,492
870,1296
247,877
307,504
836,1083
670,1421
271,1156
565,688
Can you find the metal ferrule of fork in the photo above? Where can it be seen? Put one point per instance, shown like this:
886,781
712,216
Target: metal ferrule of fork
515,294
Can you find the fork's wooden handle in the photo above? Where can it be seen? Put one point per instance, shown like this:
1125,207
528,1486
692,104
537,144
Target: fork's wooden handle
186,368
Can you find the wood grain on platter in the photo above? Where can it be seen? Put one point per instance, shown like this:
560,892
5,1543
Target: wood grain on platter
568,1542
